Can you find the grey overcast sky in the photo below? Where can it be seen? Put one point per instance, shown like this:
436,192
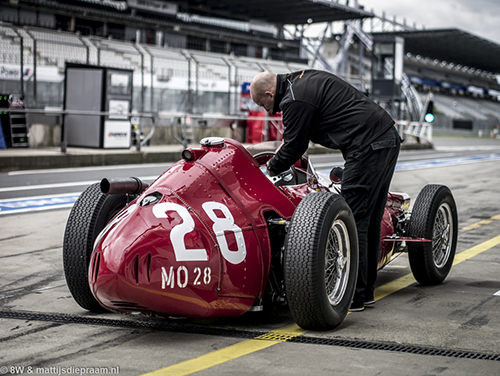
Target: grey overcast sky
478,17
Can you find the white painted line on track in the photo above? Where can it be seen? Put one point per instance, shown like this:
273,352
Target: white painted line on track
467,148
78,169
30,204
61,185
428,161
446,162
442,162
47,186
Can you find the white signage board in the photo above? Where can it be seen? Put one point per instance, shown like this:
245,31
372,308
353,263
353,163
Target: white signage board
118,109
116,134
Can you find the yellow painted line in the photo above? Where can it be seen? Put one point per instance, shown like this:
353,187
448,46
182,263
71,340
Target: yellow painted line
474,251
287,332
481,223
407,280
392,287
229,353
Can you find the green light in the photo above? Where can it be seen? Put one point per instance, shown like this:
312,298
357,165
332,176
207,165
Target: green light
429,118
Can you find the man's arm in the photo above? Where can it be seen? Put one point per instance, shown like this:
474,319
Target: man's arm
298,118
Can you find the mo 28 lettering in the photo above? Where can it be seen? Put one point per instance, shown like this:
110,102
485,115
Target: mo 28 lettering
219,227
181,277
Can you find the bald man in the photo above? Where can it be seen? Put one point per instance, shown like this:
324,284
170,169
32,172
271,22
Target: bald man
320,107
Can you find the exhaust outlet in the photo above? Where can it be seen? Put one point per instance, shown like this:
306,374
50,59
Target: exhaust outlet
120,186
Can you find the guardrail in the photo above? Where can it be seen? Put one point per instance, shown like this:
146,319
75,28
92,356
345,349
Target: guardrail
136,119
420,131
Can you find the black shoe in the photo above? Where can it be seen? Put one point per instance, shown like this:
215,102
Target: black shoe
369,302
356,307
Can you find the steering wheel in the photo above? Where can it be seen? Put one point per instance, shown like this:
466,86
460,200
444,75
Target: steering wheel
284,177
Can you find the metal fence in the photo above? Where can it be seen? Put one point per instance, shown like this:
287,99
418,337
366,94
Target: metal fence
32,63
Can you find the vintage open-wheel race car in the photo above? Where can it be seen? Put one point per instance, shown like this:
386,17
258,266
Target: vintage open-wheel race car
214,236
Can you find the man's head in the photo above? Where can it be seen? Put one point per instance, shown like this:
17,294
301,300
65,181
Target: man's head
263,90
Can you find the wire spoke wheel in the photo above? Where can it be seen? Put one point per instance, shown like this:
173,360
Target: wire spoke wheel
321,261
337,264
442,235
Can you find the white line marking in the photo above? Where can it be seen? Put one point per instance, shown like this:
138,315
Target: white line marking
425,164
77,169
467,148
30,204
38,197
47,186
432,160
404,166
61,185
40,208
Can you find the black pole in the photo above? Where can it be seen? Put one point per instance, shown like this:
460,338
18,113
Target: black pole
22,67
152,88
34,72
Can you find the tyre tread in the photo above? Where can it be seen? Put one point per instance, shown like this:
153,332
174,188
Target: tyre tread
300,268
421,225
78,244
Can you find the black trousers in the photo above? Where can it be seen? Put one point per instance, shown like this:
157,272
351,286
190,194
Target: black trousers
365,185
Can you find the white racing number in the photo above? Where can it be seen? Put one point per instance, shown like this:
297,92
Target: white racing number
226,224
220,226
179,231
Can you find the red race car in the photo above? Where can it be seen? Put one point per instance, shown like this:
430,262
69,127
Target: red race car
215,236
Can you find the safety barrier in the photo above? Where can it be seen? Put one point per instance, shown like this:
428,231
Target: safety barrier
419,132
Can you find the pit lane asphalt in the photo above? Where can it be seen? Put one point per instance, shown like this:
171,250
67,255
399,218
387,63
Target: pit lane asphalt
460,315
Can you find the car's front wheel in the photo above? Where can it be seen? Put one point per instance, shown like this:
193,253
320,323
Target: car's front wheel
321,261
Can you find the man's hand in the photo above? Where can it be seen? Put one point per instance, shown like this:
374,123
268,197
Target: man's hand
269,172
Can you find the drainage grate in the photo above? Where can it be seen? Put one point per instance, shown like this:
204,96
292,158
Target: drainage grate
394,347
181,327
184,327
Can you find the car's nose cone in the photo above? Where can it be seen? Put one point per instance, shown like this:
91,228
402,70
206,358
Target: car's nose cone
134,268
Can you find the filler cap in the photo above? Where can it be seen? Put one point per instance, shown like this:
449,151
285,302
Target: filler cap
212,141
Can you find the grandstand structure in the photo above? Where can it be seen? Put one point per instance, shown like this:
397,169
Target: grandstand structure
194,56
186,56
457,68
460,70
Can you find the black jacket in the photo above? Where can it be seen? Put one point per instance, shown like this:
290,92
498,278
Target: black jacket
320,107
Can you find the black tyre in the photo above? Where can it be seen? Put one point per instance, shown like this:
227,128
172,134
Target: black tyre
434,216
90,214
321,261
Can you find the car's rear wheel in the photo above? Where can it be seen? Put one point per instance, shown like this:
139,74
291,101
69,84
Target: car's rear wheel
90,214
321,261
434,217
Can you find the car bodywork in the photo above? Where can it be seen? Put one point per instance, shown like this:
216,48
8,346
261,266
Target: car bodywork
203,249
